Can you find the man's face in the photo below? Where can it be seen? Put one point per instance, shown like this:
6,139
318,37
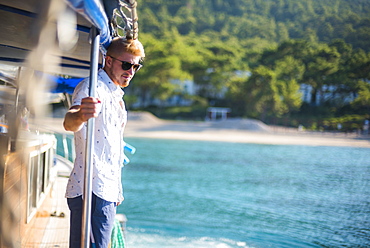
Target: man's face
113,67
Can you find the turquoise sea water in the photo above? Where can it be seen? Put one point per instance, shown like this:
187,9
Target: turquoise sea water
212,194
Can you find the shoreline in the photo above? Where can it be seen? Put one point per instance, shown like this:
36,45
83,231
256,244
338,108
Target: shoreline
145,125
241,136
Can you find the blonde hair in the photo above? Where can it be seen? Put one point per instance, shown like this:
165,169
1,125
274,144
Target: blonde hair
121,44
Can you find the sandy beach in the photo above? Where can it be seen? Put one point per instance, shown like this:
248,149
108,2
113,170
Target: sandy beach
240,130
145,125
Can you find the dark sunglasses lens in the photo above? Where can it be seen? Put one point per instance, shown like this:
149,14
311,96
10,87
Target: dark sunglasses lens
126,65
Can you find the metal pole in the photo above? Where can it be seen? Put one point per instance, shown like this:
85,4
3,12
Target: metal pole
86,215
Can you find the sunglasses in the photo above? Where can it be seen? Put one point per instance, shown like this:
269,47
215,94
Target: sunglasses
127,66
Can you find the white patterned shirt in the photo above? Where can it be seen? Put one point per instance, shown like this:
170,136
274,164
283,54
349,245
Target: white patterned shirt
108,156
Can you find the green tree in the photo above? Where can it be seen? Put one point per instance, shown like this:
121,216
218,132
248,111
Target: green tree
363,99
162,63
263,98
220,61
320,62
289,71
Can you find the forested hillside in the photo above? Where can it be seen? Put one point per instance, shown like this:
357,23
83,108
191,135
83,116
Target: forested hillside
271,20
254,55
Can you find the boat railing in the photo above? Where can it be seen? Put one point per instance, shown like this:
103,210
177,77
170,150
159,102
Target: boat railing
65,146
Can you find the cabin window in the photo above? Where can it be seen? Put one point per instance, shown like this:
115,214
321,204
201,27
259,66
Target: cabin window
47,158
39,169
32,195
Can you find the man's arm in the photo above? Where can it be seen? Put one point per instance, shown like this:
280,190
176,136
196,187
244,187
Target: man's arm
77,115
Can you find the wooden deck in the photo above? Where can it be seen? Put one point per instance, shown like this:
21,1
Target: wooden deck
56,233
57,230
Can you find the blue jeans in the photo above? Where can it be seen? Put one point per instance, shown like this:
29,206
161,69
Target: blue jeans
102,221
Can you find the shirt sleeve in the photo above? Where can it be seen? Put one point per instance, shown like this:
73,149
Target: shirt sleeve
81,91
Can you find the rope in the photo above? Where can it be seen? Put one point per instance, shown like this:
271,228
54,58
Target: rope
125,20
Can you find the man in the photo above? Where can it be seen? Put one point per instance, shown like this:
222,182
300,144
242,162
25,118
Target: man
121,64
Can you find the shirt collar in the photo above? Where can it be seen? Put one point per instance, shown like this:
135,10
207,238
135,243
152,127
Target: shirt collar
112,86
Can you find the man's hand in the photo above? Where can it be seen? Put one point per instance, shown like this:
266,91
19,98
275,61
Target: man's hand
77,115
89,108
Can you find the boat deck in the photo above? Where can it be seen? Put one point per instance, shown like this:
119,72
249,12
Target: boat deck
56,233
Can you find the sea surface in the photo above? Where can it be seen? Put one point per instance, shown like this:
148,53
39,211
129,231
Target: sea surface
218,195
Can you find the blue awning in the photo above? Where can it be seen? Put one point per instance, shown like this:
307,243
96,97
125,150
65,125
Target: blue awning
65,85
94,12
